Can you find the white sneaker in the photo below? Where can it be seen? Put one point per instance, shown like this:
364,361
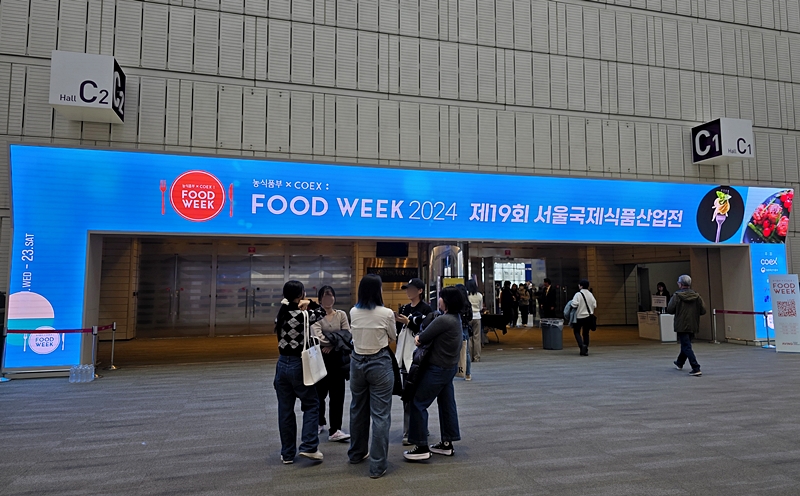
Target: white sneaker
314,455
339,436
320,429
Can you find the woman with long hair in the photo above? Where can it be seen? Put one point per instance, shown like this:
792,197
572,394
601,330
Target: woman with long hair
371,376
288,381
507,303
466,318
661,290
443,338
334,335
476,301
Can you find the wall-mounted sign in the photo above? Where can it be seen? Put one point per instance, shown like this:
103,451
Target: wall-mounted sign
722,141
394,274
101,191
87,87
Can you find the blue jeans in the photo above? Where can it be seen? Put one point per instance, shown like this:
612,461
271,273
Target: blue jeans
289,388
436,384
685,339
371,383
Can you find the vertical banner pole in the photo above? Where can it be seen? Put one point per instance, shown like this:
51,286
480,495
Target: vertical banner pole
766,325
2,350
714,326
113,341
94,350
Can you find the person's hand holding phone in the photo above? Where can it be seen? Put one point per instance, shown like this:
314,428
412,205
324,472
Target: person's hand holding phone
401,318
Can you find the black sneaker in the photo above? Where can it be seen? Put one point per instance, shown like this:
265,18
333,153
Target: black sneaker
695,373
679,367
443,448
419,453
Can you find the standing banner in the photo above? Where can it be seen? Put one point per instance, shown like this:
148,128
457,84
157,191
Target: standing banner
785,301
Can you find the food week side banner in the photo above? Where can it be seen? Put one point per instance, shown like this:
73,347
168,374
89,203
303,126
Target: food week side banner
61,194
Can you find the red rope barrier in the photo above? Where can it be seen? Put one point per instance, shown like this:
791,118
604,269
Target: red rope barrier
739,312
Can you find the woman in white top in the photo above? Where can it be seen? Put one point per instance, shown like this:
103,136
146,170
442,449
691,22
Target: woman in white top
371,376
333,332
585,305
476,300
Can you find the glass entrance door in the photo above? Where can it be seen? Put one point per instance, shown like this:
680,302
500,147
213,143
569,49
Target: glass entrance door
318,271
248,294
174,296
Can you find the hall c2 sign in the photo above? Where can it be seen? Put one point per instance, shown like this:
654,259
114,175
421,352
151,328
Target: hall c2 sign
87,87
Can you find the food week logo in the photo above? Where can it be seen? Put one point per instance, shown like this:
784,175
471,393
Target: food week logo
197,196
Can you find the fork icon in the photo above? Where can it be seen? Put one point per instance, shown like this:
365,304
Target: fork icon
163,189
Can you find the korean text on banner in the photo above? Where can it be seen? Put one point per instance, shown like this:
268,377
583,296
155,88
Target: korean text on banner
785,301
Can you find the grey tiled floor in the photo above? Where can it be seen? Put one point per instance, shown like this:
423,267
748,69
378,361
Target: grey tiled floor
533,422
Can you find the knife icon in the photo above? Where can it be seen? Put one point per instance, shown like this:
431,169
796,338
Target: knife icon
230,197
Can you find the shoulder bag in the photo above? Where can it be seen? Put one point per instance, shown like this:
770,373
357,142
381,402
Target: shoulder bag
592,318
313,365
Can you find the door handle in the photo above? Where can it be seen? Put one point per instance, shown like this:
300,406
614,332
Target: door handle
170,298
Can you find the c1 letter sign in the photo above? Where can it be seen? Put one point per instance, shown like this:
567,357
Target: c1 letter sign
722,141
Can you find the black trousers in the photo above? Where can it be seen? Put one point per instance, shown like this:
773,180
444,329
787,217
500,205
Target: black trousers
524,310
581,330
508,313
333,385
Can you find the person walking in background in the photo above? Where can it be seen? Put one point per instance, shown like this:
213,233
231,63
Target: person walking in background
584,304
476,301
288,382
687,306
515,306
335,339
524,303
547,301
371,376
408,321
533,291
443,338
507,303
466,318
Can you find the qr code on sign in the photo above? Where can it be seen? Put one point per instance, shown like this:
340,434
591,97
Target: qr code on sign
787,309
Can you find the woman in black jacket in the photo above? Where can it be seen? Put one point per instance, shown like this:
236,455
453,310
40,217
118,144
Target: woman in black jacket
661,290
443,337
507,303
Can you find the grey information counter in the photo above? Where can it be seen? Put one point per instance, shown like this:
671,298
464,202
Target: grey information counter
657,326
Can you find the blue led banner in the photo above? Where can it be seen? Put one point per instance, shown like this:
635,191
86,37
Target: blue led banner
59,195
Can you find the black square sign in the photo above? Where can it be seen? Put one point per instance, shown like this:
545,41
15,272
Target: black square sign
706,141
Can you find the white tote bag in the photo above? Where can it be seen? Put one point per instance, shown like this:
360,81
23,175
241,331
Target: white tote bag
405,349
313,365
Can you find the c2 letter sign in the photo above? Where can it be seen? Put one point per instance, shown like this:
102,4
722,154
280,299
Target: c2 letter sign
87,87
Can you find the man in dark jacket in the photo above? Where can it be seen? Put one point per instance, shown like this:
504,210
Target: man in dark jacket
547,300
687,306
